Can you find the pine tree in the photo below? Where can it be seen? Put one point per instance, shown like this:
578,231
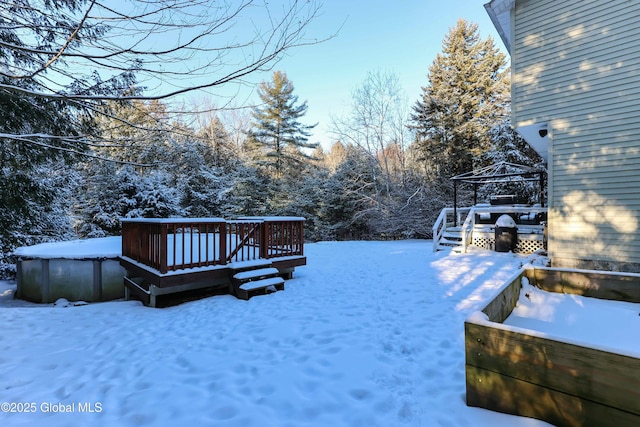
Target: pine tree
115,191
136,132
203,172
508,146
278,136
349,201
29,194
467,94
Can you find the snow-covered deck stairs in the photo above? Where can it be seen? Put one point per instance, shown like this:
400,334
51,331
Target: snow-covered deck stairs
242,282
451,238
248,283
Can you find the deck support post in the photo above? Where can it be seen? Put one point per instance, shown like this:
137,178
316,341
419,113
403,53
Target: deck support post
222,228
264,240
163,248
541,189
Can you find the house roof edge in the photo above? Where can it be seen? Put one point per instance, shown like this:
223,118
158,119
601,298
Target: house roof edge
499,12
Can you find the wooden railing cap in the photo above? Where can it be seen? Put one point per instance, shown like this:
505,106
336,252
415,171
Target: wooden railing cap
174,220
273,218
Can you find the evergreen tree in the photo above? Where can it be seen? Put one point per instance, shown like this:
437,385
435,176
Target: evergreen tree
221,152
249,194
467,94
115,191
508,146
33,171
136,132
204,175
278,136
349,197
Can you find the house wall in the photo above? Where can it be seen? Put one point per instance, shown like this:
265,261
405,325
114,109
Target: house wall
576,65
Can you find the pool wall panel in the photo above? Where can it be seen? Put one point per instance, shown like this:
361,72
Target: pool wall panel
91,280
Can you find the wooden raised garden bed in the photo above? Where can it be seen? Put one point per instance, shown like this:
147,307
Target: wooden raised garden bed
540,375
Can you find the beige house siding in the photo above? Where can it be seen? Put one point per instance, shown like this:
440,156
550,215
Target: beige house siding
576,65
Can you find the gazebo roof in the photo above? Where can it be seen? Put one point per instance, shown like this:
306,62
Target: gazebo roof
500,172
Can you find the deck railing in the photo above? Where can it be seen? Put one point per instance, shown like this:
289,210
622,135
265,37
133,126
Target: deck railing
282,237
180,243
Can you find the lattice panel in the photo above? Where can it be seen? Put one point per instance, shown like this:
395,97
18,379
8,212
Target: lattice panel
483,242
524,245
528,246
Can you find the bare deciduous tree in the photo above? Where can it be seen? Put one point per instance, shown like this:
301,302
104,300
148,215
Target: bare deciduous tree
72,57
377,122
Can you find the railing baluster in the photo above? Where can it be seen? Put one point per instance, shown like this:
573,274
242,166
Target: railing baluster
163,249
254,245
237,232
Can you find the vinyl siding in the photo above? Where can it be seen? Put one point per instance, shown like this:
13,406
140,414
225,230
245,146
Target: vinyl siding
576,65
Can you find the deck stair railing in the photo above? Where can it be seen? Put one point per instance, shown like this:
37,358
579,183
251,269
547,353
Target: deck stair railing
448,218
180,243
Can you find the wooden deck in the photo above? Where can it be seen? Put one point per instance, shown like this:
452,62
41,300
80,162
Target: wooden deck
175,255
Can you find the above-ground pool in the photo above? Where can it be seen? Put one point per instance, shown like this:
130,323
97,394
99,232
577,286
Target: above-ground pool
79,270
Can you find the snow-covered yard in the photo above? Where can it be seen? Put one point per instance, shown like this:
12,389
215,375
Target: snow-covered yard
367,334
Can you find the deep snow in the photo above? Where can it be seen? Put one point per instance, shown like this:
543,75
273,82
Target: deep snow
591,322
367,334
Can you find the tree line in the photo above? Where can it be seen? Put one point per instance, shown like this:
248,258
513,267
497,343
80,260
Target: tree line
73,170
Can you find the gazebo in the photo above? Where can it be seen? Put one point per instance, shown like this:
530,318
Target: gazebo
475,225
501,172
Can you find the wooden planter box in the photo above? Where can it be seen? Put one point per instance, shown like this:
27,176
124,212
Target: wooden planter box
528,373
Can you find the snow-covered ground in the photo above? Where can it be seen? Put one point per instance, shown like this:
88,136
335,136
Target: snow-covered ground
591,322
367,334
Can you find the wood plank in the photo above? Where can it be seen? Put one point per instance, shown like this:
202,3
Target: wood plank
263,283
289,262
139,294
502,393
595,375
215,276
261,272
502,305
595,284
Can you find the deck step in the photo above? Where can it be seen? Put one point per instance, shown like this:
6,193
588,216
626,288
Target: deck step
261,280
450,241
262,283
451,238
256,274
136,287
452,233
259,287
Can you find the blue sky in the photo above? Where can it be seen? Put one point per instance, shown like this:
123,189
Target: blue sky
402,37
